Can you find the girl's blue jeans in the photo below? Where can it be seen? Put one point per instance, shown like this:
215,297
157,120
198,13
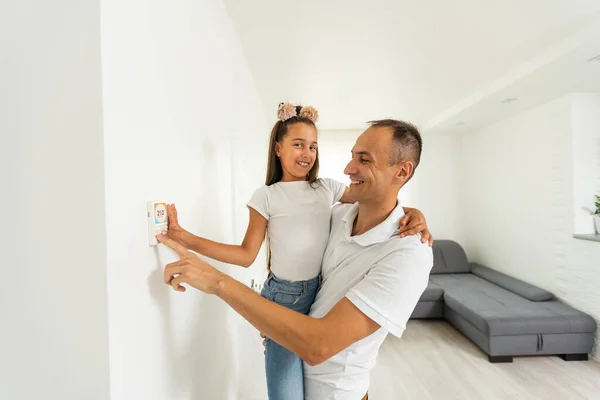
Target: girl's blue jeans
284,369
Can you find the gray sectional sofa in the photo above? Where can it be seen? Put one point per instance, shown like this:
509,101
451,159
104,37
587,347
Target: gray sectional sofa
502,315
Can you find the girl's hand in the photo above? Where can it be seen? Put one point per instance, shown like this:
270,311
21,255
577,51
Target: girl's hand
174,231
414,222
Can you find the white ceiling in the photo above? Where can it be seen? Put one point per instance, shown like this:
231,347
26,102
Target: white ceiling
433,62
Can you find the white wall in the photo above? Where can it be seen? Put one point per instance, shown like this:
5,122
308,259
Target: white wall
335,153
54,335
518,202
183,123
435,187
586,158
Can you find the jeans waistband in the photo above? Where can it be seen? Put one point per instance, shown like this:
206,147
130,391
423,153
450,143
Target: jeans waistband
305,284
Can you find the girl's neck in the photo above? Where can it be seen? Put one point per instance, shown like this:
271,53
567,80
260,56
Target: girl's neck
289,178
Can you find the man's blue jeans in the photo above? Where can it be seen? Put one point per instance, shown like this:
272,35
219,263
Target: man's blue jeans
284,369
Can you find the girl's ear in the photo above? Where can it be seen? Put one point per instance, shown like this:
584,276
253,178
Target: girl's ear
278,149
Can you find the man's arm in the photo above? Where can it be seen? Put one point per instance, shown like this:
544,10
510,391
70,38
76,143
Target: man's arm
313,339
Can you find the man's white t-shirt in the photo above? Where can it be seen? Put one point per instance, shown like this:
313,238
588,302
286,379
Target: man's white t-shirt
384,276
298,215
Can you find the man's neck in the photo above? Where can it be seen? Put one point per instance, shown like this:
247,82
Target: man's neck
372,214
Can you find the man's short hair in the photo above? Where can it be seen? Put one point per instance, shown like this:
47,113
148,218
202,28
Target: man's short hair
407,140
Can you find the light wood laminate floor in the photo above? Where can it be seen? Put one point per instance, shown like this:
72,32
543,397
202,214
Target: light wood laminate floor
433,361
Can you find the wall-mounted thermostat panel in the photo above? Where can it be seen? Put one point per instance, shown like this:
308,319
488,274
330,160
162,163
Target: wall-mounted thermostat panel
157,220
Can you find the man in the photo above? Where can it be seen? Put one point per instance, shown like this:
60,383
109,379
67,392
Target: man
372,279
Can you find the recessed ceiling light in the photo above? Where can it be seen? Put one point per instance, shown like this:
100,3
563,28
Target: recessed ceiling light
509,100
597,58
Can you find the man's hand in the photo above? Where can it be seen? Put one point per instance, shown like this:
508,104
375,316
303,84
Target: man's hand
190,269
414,222
264,342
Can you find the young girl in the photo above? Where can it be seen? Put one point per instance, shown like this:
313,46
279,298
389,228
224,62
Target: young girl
293,210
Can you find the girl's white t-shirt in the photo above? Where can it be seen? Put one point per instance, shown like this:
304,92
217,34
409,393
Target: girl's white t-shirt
299,217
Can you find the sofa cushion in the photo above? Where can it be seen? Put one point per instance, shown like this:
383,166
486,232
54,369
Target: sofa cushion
509,283
432,293
448,258
448,281
498,312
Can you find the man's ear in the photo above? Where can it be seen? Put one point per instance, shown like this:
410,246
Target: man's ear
405,170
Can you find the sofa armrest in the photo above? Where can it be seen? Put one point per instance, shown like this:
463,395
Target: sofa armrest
526,290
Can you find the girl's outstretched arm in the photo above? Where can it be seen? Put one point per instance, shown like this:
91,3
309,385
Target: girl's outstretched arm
243,255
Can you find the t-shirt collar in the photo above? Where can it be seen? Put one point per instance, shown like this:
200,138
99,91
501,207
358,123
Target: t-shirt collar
377,234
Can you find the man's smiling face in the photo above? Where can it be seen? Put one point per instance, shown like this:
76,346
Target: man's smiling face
370,173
